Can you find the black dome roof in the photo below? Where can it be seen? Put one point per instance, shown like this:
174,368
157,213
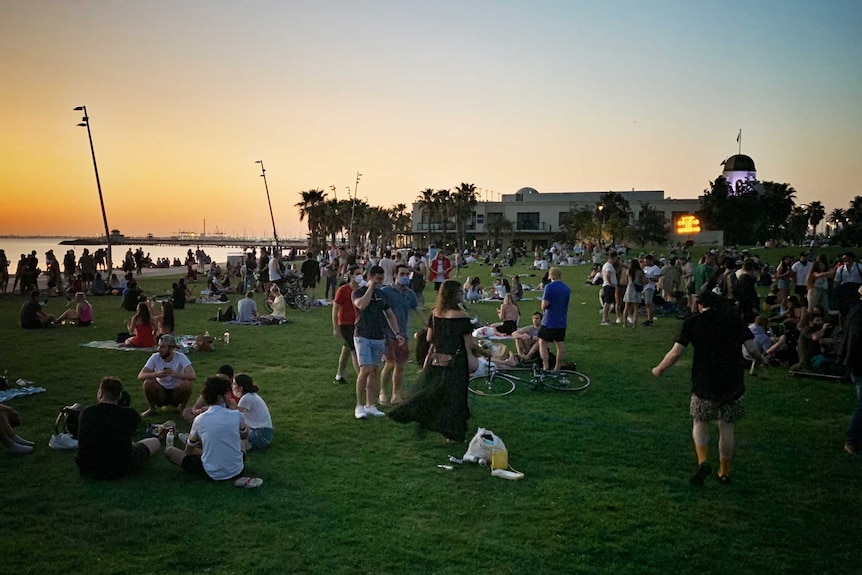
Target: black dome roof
739,163
527,191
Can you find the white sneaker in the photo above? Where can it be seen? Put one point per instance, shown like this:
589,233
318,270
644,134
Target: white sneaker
360,412
619,320
606,323
630,320
372,410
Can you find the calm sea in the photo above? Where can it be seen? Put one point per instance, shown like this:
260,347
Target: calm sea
16,246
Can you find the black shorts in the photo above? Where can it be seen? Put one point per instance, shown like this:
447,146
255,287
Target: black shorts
552,333
169,398
608,294
309,282
347,336
801,290
140,455
508,327
194,464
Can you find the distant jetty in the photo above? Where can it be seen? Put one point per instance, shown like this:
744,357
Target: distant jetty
196,241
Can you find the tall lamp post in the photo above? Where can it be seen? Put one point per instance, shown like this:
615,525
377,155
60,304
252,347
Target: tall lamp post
268,201
85,123
353,209
601,209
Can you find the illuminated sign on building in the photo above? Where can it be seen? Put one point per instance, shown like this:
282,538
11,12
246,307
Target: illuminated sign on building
688,225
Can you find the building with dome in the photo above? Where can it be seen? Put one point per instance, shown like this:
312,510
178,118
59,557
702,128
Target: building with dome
738,170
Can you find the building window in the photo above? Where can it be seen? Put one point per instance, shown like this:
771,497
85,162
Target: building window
528,220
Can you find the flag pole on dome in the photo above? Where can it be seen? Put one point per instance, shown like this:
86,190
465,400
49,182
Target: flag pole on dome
739,140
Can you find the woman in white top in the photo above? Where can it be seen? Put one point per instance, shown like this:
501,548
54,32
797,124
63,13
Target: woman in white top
254,411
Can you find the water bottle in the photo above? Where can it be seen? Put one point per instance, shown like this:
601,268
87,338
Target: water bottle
226,337
169,439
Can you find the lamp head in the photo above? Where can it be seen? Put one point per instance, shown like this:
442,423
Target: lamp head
78,109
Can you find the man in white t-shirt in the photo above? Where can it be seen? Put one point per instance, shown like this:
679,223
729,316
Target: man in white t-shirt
214,445
388,265
609,288
167,377
801,267
652,272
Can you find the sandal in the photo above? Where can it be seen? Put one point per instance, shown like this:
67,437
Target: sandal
248,482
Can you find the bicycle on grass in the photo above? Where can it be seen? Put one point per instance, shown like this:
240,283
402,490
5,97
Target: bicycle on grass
498,382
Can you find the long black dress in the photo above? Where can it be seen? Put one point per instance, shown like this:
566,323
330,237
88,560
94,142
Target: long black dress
440,402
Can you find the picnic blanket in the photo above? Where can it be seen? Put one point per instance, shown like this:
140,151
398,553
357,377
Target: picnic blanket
7,394
185,343
498,300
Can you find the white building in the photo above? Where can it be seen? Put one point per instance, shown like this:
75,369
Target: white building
536,217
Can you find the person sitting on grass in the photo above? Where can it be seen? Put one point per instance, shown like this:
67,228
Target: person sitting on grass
276,305
214,445
32,316
164,322
509,315
105,431
81,314
246,309
254,412
14,443
527,338
141,328
200,405
167,377
99,285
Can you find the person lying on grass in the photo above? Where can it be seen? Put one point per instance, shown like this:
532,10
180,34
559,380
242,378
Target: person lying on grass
214,445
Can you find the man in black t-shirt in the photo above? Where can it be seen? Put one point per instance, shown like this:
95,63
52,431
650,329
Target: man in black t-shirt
105,431
717,378
32,316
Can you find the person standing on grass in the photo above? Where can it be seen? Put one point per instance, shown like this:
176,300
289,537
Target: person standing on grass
402,300
373,313
439,269
717,379
344,320
609,289
850,354
167,377
652,273
555,303
105,432
214,445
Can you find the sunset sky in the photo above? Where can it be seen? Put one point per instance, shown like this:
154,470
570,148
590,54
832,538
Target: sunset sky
566,95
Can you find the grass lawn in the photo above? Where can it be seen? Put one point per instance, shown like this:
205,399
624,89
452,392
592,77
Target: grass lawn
605,488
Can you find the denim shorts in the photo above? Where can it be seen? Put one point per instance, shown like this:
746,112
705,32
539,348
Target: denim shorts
369,352
260,437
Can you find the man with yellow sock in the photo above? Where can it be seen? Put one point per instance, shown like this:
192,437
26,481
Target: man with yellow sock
717,379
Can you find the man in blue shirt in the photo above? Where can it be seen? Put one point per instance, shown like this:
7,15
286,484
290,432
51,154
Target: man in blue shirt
402,300
555,302
372,316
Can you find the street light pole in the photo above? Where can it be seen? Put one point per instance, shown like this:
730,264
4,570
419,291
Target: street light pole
85,122
353,210
601,209
266,187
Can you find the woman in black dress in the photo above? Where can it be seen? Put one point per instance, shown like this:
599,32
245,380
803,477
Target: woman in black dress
440,402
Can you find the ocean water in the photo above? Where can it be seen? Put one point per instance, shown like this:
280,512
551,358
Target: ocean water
16,246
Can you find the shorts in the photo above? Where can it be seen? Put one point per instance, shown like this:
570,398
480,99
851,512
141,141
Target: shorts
552,333
396,352
347,336
608,294
706,410
260,438
508,327
140,455
648,295
169,398
194,464
309,282
369,352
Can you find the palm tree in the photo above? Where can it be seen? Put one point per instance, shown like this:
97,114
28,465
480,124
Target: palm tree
499,226
854,212
311,207
333,220
401,221
463,203
425,201
443,208
816,212
837,217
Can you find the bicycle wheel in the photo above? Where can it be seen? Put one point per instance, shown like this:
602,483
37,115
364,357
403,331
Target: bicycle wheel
492,385
304,302
565,380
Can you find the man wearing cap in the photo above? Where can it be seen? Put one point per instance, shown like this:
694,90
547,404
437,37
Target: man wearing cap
167,377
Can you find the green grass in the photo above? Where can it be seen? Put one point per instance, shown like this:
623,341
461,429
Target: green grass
606,470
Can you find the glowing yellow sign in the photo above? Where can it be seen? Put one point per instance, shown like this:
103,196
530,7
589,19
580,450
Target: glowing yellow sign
688,225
